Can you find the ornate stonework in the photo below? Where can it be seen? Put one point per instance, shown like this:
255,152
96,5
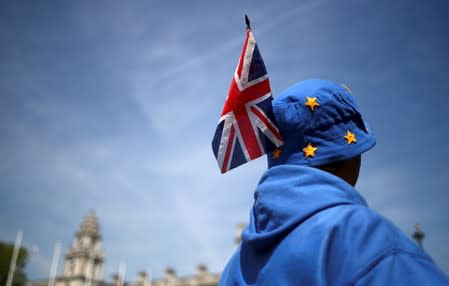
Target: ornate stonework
84,260
83,265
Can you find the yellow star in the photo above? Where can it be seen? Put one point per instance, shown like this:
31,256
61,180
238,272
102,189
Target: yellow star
276,153
311,102
350,137
309,151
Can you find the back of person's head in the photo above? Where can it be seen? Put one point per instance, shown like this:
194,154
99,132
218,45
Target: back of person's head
347,170
321,125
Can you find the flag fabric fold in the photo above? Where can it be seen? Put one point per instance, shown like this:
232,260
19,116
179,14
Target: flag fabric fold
246,129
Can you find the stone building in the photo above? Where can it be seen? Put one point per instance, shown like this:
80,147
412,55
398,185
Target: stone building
83,265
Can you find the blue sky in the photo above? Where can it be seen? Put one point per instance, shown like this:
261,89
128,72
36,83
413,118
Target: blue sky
112,105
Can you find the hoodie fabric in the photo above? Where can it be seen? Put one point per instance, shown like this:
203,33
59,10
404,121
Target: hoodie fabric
308,227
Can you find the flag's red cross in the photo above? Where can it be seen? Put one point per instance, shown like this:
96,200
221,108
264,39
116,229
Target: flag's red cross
246,111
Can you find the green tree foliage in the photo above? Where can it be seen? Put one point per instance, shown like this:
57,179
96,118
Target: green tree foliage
6,251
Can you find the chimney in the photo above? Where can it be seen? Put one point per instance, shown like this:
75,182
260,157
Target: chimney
201,270
142,278
170,276
116,280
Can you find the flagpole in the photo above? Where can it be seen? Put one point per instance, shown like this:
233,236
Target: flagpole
149,277
15,254
54,264
248,25
121,273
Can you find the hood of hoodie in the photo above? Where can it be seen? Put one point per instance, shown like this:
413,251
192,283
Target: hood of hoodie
287,195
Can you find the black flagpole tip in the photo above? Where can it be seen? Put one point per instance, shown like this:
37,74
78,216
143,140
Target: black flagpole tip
248,26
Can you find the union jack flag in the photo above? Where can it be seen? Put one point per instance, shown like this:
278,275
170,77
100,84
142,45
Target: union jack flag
246,130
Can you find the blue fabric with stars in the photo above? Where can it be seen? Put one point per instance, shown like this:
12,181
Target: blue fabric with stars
308,227
324,127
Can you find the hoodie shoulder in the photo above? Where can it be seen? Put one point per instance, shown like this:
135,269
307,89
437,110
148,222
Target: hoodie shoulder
309,226
358,238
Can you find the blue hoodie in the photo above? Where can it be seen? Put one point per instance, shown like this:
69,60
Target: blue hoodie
308,227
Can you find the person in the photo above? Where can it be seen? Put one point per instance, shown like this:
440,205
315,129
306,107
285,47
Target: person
308,224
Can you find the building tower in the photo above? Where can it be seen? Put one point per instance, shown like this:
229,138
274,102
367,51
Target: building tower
84,260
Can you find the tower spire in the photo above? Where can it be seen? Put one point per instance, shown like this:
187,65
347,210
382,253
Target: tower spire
89,226
84,260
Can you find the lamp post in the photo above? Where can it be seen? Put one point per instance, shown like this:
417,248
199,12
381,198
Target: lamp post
15,254
418,235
